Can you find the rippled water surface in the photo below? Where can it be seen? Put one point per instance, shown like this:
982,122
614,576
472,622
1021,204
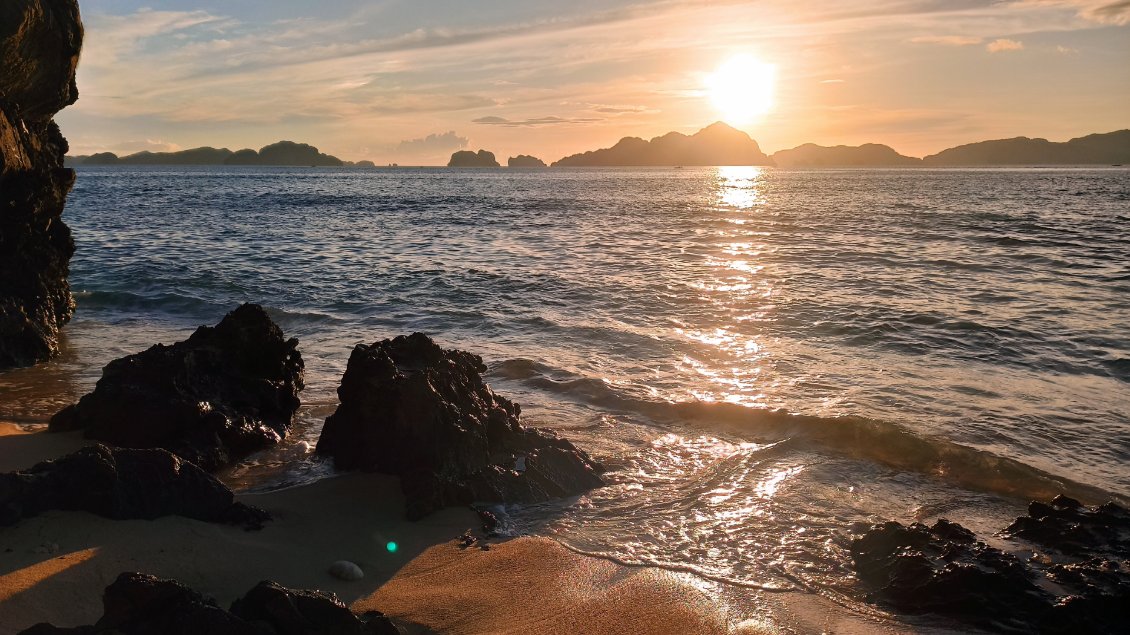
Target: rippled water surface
765,358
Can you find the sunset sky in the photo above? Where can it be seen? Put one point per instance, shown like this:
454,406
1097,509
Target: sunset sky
412,81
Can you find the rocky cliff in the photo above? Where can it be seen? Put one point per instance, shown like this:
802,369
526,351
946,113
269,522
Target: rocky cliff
39,51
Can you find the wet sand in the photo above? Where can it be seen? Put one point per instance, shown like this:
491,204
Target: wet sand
54,567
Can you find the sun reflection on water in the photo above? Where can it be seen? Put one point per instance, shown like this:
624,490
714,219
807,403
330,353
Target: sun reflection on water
729,352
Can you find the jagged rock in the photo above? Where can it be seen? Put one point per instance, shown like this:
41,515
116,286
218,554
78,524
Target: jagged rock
140,604
39,49
291,612
222,394
944,569
1065,525
122,484
412,409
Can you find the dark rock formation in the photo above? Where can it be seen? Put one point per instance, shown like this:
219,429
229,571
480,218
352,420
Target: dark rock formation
122,484
1111,147
868,154
944,569
716,144
220,395
412,409
468,159
140,604
290,612
525,161
39,50
1065,525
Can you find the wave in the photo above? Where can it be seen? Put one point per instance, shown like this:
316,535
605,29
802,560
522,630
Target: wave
883,442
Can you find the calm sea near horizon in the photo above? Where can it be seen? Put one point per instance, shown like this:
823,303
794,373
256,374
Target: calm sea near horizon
766,359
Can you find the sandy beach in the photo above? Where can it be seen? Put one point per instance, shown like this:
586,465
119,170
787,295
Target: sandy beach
53,567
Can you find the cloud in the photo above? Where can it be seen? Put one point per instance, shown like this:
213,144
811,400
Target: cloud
831,81
433,143
620,110
531,123
147,145
1003,45
1066,50
947,40
1102,11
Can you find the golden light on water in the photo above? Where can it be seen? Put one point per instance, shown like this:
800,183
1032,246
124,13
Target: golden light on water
742,88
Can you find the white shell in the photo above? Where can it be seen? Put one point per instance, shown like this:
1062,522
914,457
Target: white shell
346,570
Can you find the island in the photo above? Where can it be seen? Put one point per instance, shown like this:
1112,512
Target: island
468,159
1104,148
717,144
866,155
283,153
525,161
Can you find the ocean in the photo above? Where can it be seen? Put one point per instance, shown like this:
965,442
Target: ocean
766,360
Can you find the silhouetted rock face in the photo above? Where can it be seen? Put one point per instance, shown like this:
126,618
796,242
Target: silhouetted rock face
1111,147
716,144
868,154
468,159
412,409
39,48
140,604
121,484
220,395
525,161
944,569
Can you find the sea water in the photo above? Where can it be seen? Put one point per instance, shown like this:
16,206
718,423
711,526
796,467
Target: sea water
766,360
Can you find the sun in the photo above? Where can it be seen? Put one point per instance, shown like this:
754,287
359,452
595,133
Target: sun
742,88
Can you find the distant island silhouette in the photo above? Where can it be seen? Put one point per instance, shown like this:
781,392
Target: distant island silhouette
283,153
468,159
811,155
525,161
716,144
1111,147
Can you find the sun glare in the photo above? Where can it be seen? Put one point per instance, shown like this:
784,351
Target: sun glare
742,88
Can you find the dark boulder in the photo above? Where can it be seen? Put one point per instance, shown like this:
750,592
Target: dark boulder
945,570
39,50
122,484
1065,525
295,612
412,409
140,604
223,393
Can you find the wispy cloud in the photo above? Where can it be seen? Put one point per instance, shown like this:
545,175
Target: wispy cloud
1004,45
533,122
947,40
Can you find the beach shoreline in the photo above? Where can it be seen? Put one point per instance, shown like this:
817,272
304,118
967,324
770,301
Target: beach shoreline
53,567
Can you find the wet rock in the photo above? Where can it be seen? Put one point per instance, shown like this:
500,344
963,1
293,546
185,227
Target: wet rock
346,570
122,484
293,612
39,50
1065,525
412,409
489,521
945,570
223,393
140,604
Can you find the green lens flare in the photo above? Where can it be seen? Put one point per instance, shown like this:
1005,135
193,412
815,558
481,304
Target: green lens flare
392,547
